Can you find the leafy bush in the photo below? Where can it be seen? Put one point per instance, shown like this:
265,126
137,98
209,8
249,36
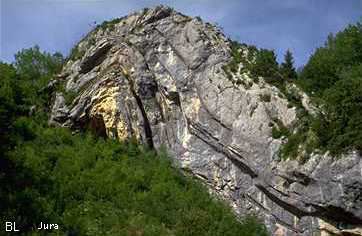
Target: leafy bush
326,65
279,130
36,68
266,65
291,148
253,61
344,113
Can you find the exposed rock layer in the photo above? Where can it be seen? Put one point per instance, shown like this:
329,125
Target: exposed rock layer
157,75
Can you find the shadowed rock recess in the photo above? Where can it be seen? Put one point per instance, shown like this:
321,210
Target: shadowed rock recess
157,75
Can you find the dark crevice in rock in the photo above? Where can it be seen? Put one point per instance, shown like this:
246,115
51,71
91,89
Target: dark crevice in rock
146,123
129,120
277,219
171,95
95,59
289,207
146,88
337,214
226,87
303,180
96,125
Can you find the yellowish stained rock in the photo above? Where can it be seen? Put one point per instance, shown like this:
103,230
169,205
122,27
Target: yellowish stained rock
106,107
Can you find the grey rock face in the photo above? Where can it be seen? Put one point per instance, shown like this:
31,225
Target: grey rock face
157,75
59,113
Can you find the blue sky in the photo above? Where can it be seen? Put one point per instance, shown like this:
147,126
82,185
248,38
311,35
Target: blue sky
300,25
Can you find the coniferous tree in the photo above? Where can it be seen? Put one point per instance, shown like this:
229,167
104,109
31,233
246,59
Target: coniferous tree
287,67
266,65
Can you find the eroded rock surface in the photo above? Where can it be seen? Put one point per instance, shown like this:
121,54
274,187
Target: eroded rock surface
157,75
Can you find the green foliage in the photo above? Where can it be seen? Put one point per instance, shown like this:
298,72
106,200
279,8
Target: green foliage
97,187
36,68
9,97
276,134
69,97
333,76
326,65
266,65
344,113
287,69
253,61
32,63
109,25
76,53
291,148
279,130
236,59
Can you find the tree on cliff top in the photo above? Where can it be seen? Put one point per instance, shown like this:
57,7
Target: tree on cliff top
287,67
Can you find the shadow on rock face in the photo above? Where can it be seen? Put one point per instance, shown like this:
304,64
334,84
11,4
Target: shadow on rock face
96,125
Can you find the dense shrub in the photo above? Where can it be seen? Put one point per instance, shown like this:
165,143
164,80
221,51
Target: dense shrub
344,113
266,65
36,68
9,97
254,62
327,64
93,186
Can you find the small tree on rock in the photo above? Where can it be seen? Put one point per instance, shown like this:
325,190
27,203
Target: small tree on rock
287,67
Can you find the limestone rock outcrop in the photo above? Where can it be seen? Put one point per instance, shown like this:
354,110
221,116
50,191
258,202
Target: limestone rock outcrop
157,75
